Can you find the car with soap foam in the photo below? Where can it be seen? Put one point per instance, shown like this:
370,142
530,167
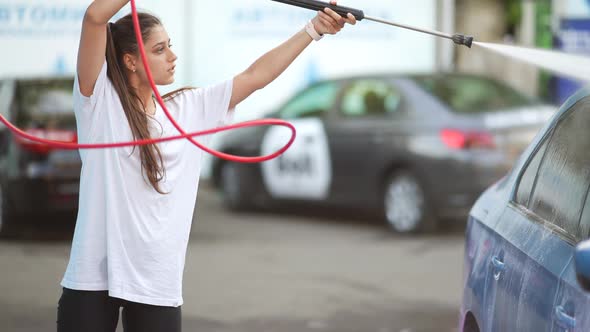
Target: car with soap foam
527,253
412,149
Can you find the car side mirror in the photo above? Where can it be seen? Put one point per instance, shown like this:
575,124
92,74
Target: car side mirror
582,264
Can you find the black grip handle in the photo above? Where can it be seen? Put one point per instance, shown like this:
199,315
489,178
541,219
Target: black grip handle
320,5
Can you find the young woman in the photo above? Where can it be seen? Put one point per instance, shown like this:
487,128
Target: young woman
136,204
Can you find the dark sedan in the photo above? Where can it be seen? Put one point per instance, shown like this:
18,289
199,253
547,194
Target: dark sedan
35,180
415,148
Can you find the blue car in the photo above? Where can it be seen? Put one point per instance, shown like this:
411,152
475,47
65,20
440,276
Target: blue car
526,265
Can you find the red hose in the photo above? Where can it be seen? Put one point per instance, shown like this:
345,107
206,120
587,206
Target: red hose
183,134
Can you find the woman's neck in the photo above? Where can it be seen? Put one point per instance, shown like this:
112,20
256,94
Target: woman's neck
145,94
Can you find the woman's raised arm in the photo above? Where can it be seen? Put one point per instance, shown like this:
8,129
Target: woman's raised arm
91,54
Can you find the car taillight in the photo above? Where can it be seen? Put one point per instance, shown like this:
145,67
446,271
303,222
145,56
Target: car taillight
460,139
43,149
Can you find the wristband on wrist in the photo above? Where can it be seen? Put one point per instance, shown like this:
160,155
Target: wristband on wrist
310,29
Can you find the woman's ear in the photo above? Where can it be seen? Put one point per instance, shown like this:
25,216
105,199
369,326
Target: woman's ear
130,62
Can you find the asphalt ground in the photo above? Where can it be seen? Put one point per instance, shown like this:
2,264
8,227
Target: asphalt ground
290,270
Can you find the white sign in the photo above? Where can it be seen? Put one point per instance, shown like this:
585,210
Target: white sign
27,18
43,36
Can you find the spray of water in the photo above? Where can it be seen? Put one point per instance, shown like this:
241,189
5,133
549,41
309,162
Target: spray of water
573,66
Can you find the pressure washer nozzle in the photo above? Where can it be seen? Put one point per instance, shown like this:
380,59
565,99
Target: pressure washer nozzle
460,39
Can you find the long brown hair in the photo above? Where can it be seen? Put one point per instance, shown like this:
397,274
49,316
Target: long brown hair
121,40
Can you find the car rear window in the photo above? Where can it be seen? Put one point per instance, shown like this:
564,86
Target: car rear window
469,94
314,101
45,104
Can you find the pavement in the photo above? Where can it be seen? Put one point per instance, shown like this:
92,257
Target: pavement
271,271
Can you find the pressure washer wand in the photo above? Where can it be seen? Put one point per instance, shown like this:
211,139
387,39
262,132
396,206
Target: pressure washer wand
457,38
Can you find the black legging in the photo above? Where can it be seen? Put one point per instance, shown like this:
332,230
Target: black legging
96,311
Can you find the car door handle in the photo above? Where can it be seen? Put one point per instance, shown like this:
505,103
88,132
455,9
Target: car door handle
564,319
498,263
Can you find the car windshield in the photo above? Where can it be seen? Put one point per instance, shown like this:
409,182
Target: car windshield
469,94
45,105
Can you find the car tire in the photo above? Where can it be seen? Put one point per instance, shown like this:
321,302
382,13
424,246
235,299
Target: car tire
233,188
405,204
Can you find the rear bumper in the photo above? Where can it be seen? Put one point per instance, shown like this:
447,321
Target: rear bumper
42,196
456,183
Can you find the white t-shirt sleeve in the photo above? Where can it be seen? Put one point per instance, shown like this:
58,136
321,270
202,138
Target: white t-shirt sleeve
85,107
214,105
98,87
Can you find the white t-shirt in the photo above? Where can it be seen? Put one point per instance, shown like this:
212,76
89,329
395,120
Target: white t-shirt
129,239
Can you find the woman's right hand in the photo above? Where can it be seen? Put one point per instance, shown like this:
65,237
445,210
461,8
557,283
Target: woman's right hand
330,22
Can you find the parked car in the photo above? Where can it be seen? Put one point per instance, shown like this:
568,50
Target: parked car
36,181
519,268
415,148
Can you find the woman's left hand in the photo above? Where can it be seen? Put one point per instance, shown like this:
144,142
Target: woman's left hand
330,22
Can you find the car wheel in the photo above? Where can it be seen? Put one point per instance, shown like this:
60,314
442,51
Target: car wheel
405,205
232,187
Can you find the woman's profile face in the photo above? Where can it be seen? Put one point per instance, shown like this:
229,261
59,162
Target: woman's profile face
161,59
